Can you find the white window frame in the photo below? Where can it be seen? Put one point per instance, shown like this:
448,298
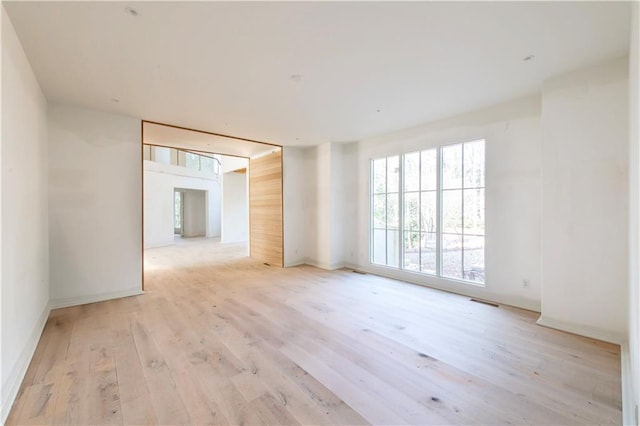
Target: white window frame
439,213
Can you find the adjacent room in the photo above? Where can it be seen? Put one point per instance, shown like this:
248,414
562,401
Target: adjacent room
320,213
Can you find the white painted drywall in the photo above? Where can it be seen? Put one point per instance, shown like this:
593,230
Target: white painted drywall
584,239
318,188
337,201
513,197
195,213
349,205
631,399
229,164
95,205
24,222
160,180
296,206
235,207
315,200
158,207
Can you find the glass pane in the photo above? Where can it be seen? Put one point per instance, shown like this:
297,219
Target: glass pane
412,251
411,209
474,164
452,256
474,259
412,172
428,212
161,154
393,249
207,164
393,214
452,167
380,211
379,173
393,173
146,152
192,161
428,261
452,211
474,211
379,246
429,169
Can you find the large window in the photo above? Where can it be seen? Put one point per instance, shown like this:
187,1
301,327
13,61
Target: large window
428,211
203,163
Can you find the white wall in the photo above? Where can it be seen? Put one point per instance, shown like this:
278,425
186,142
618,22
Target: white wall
235,207
195,213
229,164
349,204
95,201
585,163
158,207
325,215
24,223
296,207
513,197
160,180
319,243
631,359
338,198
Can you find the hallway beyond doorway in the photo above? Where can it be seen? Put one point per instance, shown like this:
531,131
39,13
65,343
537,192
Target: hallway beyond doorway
189,252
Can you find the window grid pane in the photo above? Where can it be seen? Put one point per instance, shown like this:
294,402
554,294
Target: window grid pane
412,193
385,211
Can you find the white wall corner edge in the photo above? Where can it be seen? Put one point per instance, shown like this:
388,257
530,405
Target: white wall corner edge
83,300
629,409
581,330
11,387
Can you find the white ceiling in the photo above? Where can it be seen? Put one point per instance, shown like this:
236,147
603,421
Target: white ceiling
368,67
169,136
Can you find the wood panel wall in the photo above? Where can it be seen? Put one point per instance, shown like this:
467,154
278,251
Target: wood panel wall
265,209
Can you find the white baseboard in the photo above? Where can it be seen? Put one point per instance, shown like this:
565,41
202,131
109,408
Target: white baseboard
629,410
158,245
322,265
11,387
449,286
594,333
83,300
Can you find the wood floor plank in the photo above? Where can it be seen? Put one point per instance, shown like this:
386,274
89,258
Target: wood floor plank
220,339
137,407
166,400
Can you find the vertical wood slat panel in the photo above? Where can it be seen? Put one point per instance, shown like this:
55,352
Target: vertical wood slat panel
265,208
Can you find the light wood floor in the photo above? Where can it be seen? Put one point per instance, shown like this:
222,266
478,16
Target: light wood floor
217,339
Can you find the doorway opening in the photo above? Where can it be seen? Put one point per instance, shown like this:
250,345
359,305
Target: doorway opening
177,213
206,189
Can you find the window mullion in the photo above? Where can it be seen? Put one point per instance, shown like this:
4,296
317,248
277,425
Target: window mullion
386,211
401,212
438,212
372,209
462,213
420,211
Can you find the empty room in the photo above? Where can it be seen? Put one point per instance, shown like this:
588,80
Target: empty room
335,213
